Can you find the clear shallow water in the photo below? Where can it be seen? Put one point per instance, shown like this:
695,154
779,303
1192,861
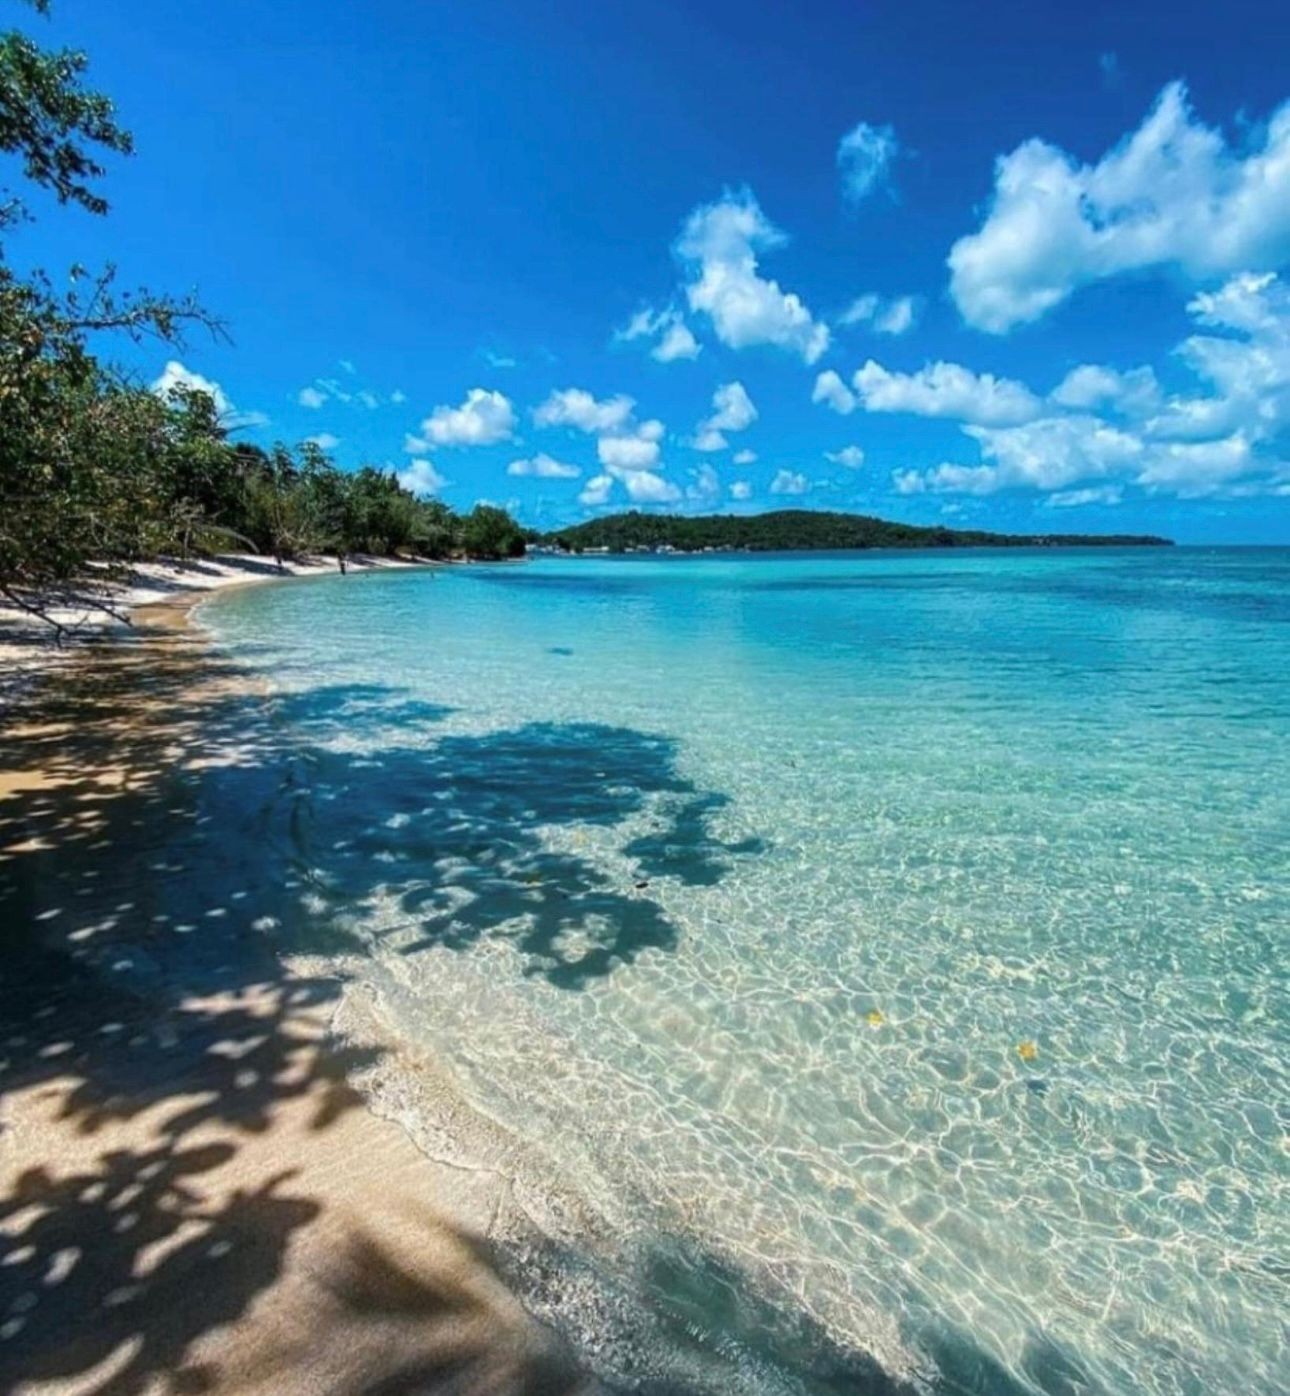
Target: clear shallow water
738,884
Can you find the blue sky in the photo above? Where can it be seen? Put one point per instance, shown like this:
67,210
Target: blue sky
1019,266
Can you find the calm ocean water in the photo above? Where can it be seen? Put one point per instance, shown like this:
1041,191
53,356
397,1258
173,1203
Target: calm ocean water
890,949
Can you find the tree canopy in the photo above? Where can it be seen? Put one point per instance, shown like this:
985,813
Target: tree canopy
793,530
95,468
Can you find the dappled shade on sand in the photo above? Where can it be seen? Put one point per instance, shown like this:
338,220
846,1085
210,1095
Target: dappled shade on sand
191,1199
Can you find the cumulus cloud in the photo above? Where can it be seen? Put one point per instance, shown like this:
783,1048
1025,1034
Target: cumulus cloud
597,490
850,456
719,246
744,457
865,155
732,410
485,417
704,486
645,487
1227,439
1246,370
945,390
673,338
311,397
741,489
176,379
1172,194
830,389
895,316
543,467
1193,469
638,450
1091,386
324,440
575,407
625,448
421,478
789,482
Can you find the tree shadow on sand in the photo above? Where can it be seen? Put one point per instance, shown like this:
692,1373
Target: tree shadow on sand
154,1054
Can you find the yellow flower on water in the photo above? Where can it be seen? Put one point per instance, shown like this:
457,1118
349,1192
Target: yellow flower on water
874,1018
1027,1051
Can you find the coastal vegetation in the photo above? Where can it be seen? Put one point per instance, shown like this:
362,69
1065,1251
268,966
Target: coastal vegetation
797,530
97,470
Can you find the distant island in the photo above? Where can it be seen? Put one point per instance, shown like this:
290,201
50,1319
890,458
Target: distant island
798,530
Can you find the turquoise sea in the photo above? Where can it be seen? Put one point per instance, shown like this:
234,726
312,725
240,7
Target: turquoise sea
887,951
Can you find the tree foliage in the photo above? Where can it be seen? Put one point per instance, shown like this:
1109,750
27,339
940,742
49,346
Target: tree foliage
96,471
793,530
52,122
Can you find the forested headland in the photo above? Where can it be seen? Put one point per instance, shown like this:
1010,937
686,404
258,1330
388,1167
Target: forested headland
799,530
98,470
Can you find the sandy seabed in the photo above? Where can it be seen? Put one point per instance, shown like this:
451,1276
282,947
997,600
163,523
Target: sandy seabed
194,1197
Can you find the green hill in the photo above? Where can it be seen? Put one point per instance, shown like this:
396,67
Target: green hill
799,530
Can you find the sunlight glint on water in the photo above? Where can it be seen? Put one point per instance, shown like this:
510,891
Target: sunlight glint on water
953,1006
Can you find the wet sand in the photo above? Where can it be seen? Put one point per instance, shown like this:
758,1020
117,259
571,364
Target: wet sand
193,1195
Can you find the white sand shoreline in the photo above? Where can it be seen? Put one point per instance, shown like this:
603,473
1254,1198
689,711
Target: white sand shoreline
364,1259
31,649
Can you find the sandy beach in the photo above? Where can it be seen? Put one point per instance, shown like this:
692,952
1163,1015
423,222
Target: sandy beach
193,1195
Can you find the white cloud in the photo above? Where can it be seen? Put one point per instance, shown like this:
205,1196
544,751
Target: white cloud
789,482
485,417
732,410
705,487
1247,371
678,342
850,456
323,390
865,154
1171,194
495,360
415,445
708,440
673,337
645,487
719,245
597,490
575,407
324,440
544,467
1090,386
421,478
741,489
945,390
176,376
638,451
895,316
1075,499
1049,454
1192,469
829,388
744,457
